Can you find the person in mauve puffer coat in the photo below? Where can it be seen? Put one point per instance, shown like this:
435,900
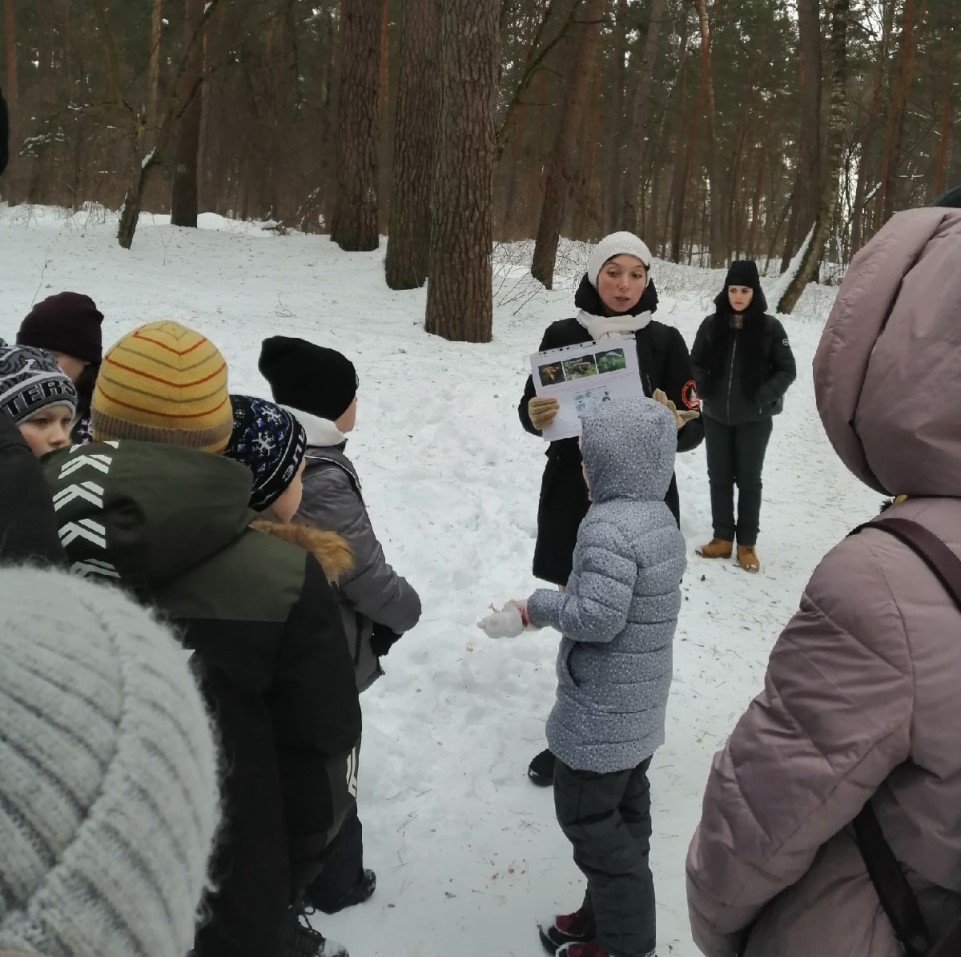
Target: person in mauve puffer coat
860,696
614,667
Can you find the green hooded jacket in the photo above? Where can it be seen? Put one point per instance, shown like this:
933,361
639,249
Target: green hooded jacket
171,525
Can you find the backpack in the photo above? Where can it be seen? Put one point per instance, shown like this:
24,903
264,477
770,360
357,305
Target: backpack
892,887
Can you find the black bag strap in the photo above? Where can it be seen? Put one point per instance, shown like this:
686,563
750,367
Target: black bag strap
892,887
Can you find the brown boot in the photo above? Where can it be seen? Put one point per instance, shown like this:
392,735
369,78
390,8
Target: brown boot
716,548
747,558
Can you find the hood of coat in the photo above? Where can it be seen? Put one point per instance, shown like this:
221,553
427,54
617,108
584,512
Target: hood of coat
329,548
887,372
145,512
588,299
628,447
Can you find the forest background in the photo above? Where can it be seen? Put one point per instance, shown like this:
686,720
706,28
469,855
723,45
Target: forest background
776,130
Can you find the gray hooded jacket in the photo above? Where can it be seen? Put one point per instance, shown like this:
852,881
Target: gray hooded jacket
371,592
620,608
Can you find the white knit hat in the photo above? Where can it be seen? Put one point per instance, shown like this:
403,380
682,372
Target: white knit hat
616,244
108,774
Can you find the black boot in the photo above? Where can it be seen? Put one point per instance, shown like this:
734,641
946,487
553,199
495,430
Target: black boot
541,769
362,891
301,940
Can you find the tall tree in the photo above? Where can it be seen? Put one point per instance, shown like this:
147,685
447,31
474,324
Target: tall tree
408,244
560,173
871,128
613,206
897,109
459,293
183,199
354,224
807,270
630,217
153,63
10,29
807,191
713,153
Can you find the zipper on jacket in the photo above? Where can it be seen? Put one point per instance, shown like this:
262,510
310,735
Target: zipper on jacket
730,378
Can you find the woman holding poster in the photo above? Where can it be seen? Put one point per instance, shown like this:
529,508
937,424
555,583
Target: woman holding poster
616,299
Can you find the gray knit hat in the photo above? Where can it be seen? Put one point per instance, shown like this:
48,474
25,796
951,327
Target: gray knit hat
108,800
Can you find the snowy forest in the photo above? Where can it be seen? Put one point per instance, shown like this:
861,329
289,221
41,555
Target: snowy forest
714,129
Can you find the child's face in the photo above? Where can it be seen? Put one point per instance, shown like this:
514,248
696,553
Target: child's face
285,508
348,418
48,430
70,366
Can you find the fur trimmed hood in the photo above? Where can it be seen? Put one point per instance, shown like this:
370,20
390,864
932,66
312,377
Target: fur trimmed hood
329,548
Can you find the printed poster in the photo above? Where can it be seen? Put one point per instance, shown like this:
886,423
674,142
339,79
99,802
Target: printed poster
583,376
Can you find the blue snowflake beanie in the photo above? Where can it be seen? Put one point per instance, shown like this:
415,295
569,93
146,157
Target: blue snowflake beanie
270,442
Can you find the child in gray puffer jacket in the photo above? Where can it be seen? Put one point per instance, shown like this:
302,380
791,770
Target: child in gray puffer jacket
617,617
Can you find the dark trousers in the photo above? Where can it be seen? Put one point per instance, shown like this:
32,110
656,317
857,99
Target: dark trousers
342,865
607,819
735,456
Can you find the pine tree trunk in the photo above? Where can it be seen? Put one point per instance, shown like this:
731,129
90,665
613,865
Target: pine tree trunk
947,103
183,198
867,140
713,161
807,271
354,225
887,195
679,185
10,29
559,168
408,244
459,294
153,65
630,217
808,194
613,203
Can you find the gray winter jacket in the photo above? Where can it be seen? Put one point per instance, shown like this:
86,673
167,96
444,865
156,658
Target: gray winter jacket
620,608
372,591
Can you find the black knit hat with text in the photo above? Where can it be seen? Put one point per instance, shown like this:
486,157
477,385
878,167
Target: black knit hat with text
308,377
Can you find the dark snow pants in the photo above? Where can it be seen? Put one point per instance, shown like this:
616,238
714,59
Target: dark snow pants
607,818
342,865
735,456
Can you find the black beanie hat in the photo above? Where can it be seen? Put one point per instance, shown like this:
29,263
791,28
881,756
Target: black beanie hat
68,322
743,272
308,377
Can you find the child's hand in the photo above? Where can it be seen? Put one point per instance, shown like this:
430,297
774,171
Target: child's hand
509,622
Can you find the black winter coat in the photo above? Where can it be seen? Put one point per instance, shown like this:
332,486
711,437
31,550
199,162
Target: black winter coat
664,363
28,526
261,619
749,381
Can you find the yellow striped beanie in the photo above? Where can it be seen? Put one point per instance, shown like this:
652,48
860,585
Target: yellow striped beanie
164,383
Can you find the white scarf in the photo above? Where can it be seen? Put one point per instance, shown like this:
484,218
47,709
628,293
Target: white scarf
321,433
612,327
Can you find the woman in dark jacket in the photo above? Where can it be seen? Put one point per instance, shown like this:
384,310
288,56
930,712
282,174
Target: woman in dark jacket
616,298
743,365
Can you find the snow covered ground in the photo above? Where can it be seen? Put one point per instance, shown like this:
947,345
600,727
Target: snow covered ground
467,851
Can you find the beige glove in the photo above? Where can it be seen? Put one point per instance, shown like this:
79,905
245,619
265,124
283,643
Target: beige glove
542,410
680,418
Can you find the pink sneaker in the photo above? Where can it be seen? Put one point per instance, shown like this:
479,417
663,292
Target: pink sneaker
565,929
